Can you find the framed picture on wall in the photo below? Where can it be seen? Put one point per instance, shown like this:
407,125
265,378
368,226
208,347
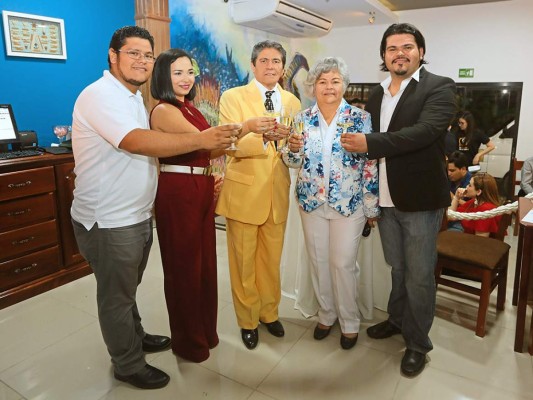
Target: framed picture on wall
30,35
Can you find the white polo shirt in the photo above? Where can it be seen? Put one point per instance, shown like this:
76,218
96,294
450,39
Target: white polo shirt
114,188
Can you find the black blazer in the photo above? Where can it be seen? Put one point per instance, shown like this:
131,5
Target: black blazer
414,143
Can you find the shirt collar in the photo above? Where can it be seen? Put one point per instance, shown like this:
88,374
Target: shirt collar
108,75
342,106
416,76
263,89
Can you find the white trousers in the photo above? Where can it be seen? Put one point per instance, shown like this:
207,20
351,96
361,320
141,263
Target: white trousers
332,241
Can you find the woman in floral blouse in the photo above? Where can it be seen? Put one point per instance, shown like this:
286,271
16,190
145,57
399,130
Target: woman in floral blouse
337,192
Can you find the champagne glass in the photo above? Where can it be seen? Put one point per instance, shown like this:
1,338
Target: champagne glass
286,118
271,113
61,132
233,146
298,124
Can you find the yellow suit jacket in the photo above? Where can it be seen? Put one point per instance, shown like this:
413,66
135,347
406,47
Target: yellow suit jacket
256,179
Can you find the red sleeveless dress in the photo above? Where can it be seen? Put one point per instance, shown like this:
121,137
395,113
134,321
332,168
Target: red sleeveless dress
185,222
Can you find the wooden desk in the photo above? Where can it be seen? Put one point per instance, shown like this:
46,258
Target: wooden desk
38,251
524,266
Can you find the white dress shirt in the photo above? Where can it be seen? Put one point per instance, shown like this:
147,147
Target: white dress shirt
388,105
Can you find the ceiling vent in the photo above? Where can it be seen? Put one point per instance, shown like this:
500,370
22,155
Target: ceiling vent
279,17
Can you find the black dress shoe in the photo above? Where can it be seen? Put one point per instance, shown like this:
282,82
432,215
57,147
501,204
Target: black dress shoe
383,330
147,378
250,338
320,333
413,363
347,343
154,343
275,328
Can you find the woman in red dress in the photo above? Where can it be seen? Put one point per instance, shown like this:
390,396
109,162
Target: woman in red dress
483,194
184,210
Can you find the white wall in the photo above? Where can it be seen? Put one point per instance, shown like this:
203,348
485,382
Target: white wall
493,38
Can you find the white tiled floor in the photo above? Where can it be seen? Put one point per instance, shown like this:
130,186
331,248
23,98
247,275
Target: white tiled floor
51,348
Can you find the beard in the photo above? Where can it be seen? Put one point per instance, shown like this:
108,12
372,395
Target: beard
134,82
131,81
402,64
400,72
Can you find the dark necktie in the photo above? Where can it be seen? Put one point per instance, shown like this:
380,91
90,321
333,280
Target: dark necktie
269,105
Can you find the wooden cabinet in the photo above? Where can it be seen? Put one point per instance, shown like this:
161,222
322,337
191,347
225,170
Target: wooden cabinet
38,250
64,174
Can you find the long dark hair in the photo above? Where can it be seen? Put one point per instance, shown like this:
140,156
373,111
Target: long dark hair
470,125
398,29
161,85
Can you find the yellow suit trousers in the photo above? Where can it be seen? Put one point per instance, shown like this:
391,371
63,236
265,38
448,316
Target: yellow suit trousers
254,255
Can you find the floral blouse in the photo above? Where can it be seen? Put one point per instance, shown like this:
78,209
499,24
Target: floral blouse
353,179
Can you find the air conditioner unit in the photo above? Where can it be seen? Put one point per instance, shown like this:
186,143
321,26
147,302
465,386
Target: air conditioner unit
279,17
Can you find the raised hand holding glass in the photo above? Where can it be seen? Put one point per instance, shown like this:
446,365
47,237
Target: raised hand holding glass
233,146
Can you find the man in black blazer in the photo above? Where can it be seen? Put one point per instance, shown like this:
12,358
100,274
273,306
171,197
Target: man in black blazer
410,111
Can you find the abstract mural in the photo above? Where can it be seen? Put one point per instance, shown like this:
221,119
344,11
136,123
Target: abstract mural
222,51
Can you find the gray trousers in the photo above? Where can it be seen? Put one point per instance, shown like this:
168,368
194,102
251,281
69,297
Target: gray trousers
118,258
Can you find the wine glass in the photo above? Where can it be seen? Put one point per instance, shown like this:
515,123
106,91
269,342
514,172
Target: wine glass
286,118
233,146
61,132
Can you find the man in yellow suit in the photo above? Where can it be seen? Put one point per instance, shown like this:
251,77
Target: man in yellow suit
255,195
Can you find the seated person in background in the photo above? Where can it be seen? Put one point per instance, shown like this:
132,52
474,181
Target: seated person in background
526,183
458,173
469,139
483,193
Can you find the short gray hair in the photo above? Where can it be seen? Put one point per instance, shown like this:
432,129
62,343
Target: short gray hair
323,66
268,44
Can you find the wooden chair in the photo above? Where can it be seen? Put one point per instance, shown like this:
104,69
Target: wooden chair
517,167
476,258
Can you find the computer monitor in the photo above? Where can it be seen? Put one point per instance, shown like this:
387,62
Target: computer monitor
8,126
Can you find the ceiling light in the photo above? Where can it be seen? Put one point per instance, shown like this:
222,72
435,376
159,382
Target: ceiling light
371,17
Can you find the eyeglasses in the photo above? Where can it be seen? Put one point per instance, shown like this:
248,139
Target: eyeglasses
137,55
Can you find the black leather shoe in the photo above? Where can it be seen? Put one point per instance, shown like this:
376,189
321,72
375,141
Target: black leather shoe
250,338
383,330
320,333
154,343
347,343
275,328
413,363
147,378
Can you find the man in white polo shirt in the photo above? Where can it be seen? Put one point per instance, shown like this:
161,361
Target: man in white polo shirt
116,179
